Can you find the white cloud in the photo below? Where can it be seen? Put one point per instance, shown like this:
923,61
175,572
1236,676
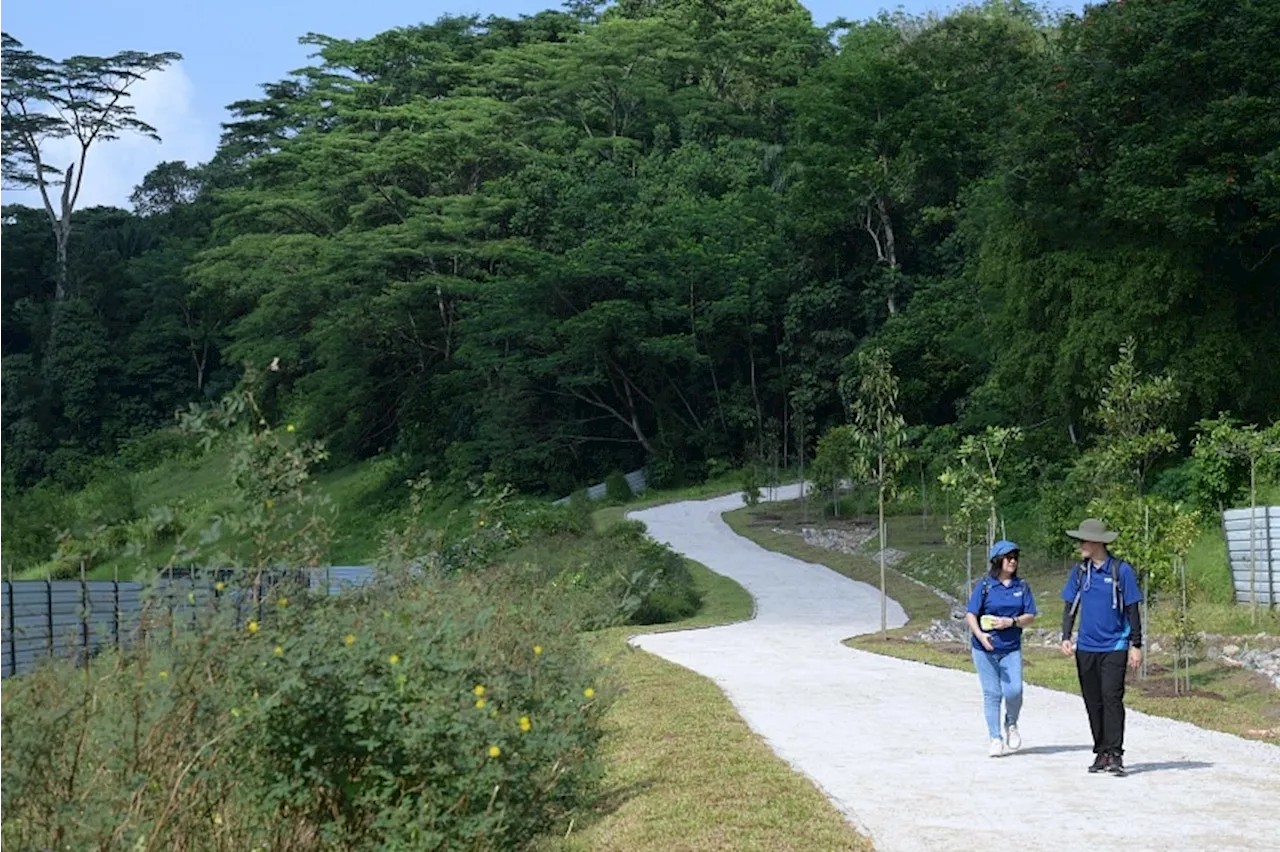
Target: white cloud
164,100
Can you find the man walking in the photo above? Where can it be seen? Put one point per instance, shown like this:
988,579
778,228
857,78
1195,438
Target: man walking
1103,591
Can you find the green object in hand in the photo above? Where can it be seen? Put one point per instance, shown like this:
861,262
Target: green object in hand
987,622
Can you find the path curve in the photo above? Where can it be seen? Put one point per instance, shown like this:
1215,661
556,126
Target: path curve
900,747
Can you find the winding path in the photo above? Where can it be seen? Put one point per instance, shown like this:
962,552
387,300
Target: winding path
900,747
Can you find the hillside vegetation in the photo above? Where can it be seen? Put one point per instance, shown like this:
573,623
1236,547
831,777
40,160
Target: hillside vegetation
660,234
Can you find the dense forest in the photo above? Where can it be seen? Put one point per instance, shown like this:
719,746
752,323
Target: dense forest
657,232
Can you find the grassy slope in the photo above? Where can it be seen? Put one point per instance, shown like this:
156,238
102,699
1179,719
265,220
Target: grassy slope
1223,698
365,495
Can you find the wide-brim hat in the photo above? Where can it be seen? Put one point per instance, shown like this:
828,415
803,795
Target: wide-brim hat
1093,529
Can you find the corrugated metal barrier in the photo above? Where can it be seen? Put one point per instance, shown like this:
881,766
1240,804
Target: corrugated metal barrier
1259,575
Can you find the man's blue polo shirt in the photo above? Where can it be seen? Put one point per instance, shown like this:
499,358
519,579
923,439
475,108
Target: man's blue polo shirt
1007,602
1103,625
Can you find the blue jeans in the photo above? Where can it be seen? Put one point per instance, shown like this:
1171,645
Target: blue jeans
1001,677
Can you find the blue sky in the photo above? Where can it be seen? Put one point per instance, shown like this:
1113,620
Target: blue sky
230,47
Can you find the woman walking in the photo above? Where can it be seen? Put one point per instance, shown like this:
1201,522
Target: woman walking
1000,606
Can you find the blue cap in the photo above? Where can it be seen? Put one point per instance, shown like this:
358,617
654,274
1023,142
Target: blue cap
1001,548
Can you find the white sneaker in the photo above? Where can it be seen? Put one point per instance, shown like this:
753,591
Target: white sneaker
997,748
1013,738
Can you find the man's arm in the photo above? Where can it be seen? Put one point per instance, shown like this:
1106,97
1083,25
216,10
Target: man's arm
1134,613
1068,621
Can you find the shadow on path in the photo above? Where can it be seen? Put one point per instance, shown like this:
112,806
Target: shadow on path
1173,765
1050,749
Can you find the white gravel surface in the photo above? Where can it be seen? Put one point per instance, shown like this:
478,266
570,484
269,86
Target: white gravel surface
901,747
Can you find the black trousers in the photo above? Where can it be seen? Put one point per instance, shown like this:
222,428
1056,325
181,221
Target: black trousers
1102,686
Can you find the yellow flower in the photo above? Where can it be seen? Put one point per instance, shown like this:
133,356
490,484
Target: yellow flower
217,819
537,650
163,675
253,627
235,712
482,522
479,690
271,504
494,751
279,651
290,428
394,659
525,724
479,703
494,714
589,692
282,602
219,586
351,639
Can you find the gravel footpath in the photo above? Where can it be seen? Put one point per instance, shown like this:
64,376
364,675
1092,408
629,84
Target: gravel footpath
900,747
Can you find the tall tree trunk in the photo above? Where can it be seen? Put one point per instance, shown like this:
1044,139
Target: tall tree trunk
755,395
63,235
891,249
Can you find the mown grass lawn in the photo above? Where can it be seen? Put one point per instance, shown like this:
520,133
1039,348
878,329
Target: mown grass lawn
684,770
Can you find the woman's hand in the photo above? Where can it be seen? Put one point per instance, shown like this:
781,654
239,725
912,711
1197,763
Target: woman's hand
985,640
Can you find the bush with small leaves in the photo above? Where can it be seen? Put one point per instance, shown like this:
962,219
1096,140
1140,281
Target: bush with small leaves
617,489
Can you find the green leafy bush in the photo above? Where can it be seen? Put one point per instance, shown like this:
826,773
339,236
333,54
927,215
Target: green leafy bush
111,498
616,488
155,448
433,713
655,585
751,479
30,518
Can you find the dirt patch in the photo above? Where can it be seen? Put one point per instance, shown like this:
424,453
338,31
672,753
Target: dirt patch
1168,689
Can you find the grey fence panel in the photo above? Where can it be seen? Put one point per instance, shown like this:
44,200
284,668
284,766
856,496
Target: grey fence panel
30,623
338,577
638,480
69,619
1253,551
100,603
6,628
129,614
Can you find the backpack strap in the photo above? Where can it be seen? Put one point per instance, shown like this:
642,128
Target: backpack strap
1117,592
1117,595
1081,575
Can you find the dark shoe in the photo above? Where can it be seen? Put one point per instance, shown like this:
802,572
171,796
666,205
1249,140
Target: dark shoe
1116,766
1100,763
